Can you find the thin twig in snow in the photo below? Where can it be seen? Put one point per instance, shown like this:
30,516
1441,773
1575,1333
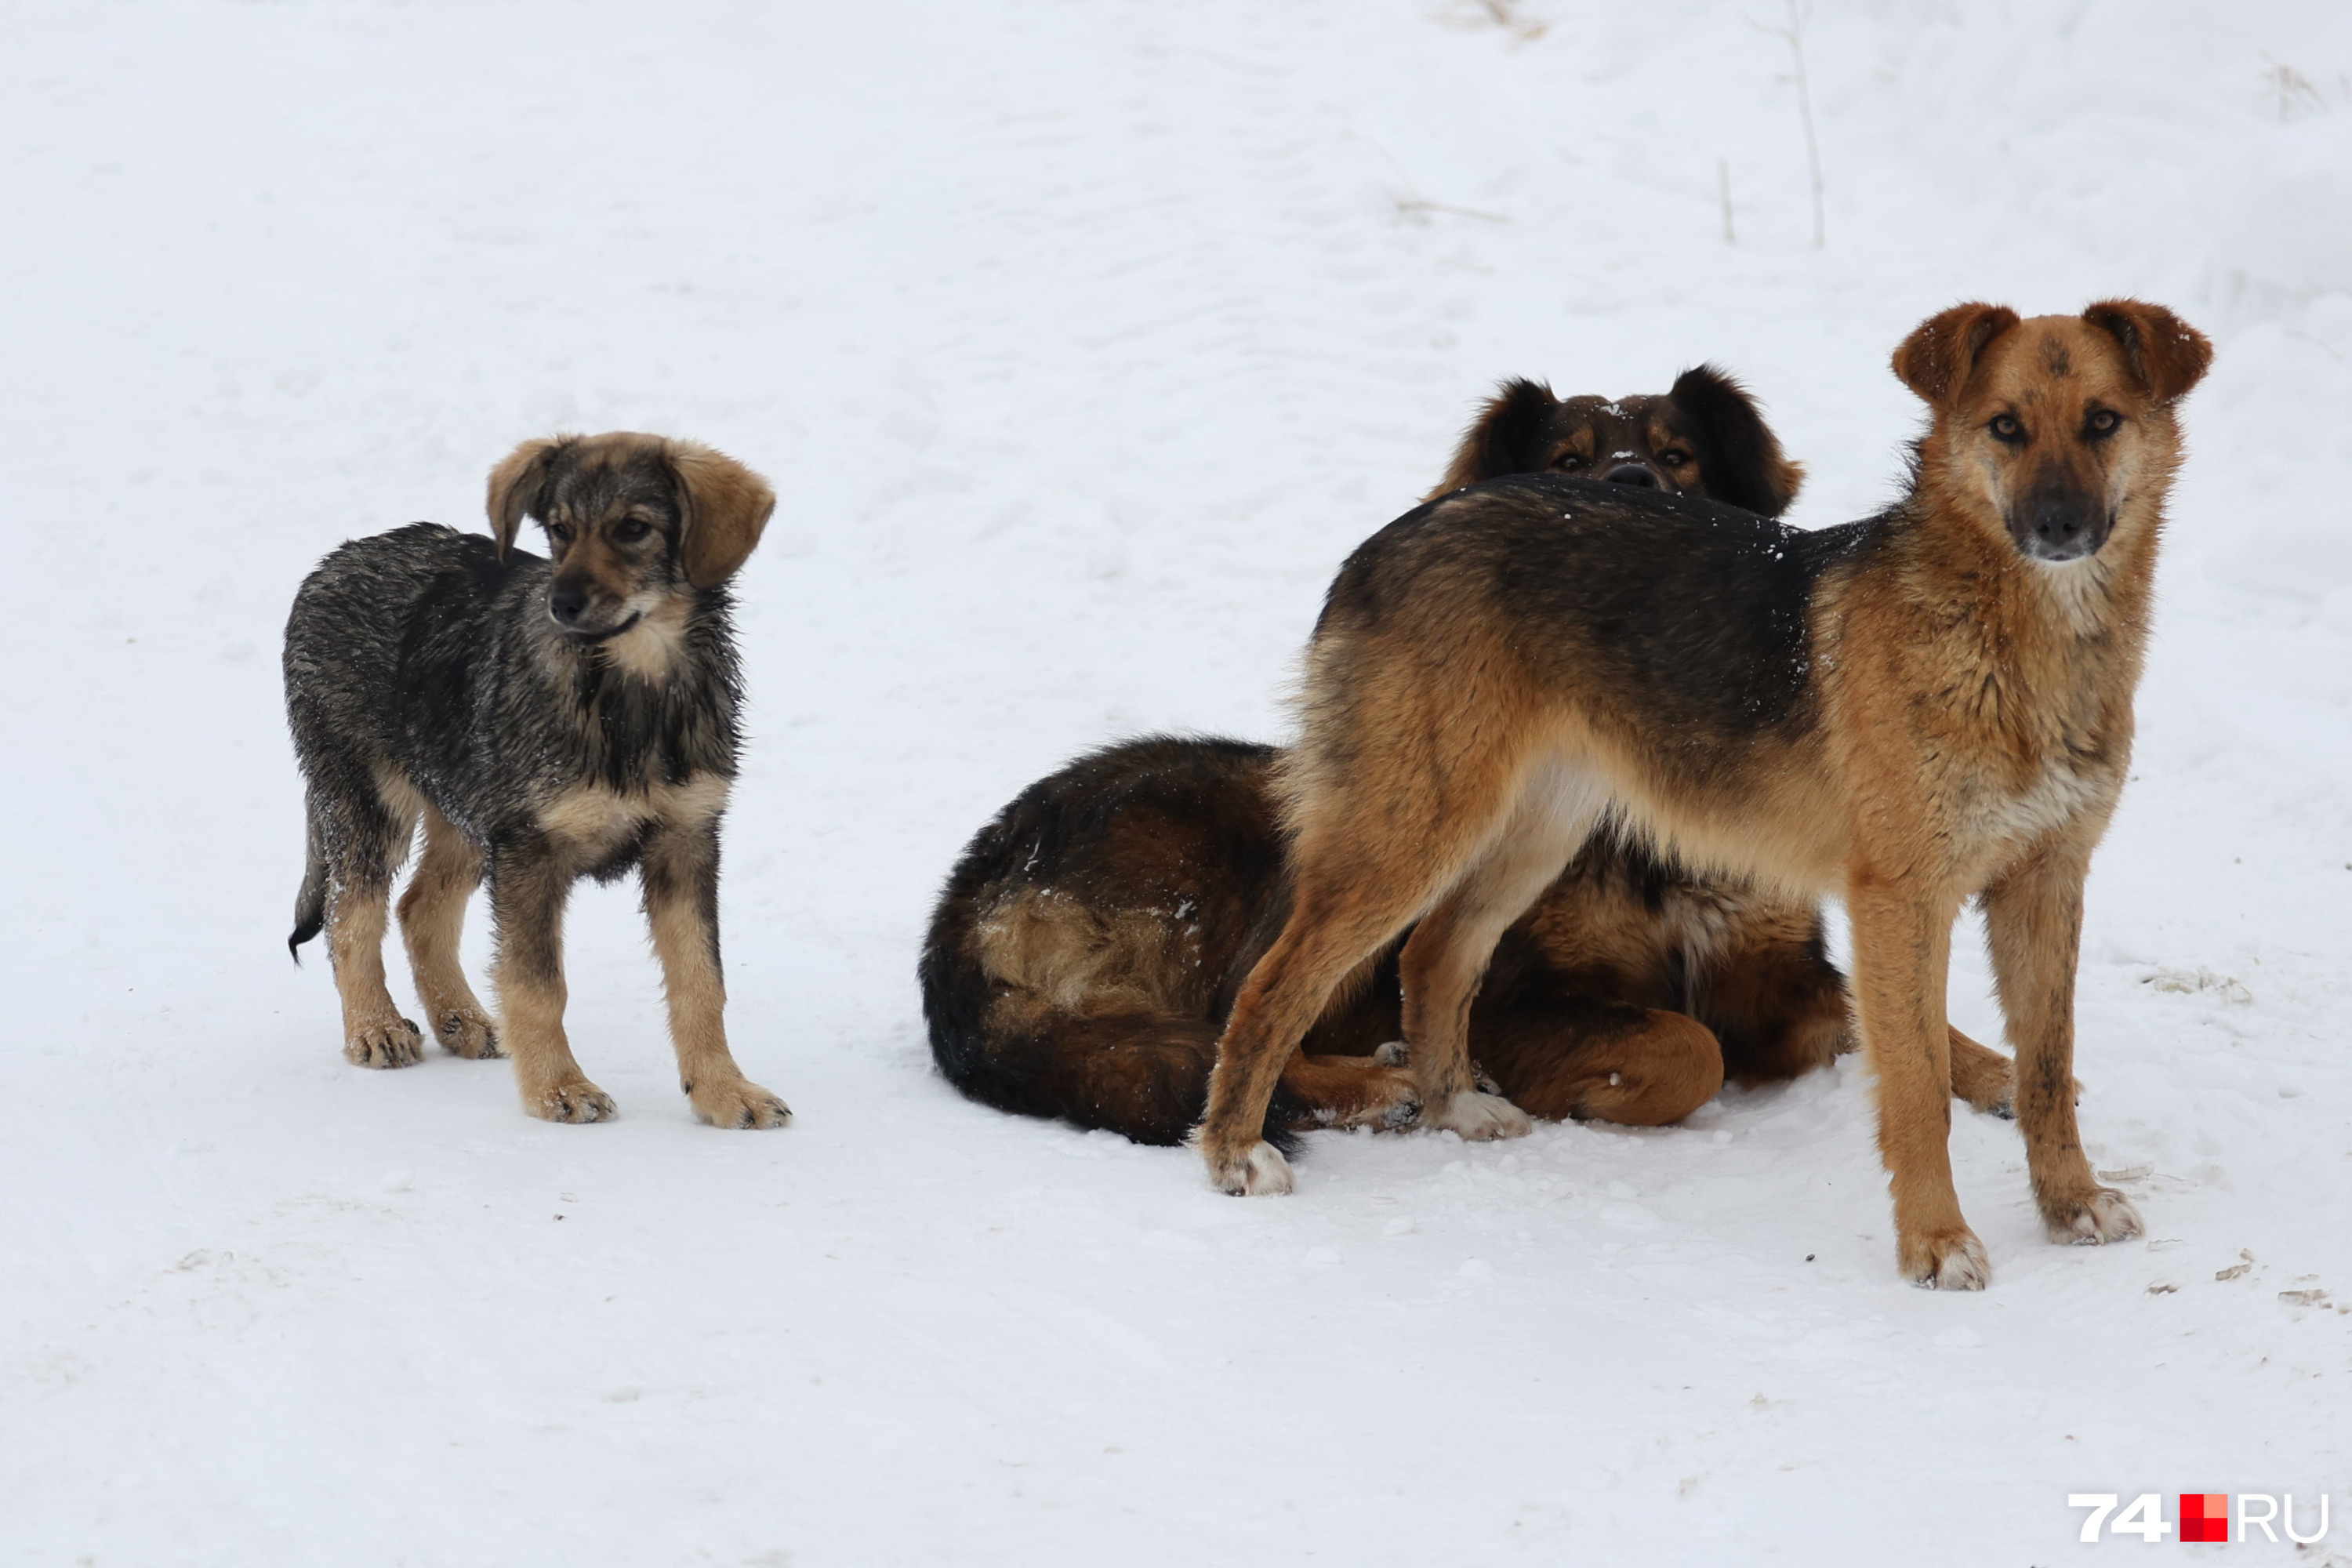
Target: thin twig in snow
1795,35
1805,109
1503,14
1412,202
2293,90
1421,205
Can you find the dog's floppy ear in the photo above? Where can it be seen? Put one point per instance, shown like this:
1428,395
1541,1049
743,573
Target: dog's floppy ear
2166,353
1508,438
1936,359
1741,462
518,487
725,505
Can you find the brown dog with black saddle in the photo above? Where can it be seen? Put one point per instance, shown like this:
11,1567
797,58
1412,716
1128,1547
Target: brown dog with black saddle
1931,705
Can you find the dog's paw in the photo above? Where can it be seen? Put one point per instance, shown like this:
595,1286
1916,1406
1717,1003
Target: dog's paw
737,1102
1381,1097
390,1042
1395,1054
1477,1116
1260,1172
1945,1260
1989,1087
2103,1214
1986,1081
468,1032
578,1100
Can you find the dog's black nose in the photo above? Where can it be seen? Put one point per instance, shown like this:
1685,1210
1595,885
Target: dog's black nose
1631,474
567,602
2065,526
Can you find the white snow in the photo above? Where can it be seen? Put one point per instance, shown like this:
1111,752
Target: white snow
1082,340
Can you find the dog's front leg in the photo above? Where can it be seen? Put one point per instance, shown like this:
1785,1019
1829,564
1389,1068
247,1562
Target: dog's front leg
527,889
1902,950
2034,922
681,874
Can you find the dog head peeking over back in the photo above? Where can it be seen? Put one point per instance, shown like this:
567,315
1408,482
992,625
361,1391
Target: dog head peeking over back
1704,437
637,527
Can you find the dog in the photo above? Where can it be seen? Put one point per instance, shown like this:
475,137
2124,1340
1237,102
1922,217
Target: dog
544,720
1929,705
1703,436
1082,958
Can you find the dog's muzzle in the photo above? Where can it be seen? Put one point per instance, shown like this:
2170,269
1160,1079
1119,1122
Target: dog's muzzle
567,603
2065,526
570,606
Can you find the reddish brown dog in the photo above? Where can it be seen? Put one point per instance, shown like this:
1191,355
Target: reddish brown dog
1931,705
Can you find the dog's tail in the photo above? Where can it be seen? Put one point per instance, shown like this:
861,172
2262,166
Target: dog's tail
311,903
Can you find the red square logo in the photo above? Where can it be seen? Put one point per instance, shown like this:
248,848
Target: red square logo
2204,1516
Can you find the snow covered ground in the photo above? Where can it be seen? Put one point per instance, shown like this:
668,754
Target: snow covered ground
1082,339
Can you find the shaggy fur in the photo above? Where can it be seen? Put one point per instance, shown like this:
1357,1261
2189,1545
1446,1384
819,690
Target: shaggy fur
1930,705
544,720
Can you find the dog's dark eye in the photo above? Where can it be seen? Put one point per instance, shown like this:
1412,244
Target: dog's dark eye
2104,421
629,530
1674,460
1569,461
558,533
2005,427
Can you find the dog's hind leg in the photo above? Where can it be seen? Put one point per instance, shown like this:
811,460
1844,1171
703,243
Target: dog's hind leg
2033,918
1401,784
527,889
1366,860
681,874
1330,933
431,914
365,842
1447,954
1902,950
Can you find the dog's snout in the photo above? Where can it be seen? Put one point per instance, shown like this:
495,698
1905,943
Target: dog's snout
2058,522
1632,474
567,602
2060,525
